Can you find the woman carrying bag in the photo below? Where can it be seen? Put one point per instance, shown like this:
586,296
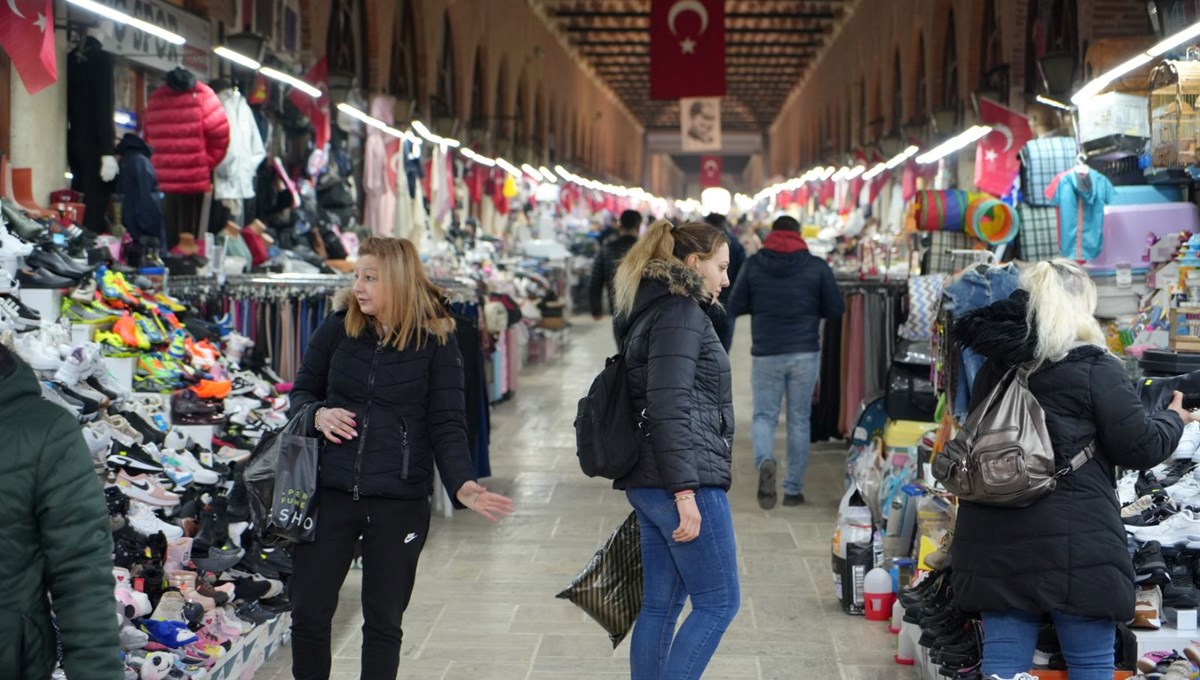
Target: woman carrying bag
679,381
387,377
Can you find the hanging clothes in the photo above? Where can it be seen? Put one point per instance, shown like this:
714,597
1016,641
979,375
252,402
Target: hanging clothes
141,200
186,126
90,134
380,209
1080,196
234,177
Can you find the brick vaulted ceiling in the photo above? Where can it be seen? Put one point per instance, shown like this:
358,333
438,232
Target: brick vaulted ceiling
768,44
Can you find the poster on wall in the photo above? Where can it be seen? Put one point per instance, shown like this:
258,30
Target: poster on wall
139,47
700,123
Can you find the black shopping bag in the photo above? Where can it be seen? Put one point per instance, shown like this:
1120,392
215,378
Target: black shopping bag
609,589
281,470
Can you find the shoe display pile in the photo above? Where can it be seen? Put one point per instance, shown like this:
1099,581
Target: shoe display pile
954,638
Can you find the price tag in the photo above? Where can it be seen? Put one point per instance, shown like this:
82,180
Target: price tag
206,458
1124,276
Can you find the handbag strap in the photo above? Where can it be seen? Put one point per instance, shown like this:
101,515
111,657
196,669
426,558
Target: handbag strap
1079,459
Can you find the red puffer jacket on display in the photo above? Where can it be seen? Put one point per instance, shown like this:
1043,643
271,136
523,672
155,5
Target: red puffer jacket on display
187,128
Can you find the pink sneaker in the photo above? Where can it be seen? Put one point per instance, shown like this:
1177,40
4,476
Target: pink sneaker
145,489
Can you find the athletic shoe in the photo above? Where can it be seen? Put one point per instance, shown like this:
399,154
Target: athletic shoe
130,332
1147,483
1176,471
1149,566
169,302
232,620
255,613
211,389
178,346
74,368
12,245
85,292
130,456
218,559
1187,487
37,352
173,468
170,634
170,607
1126,492
1173,531
1189,443
87,312
201,474
143,488
228,454
143,520
23,317
132,638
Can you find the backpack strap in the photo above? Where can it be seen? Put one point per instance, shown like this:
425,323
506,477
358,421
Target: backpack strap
1079,460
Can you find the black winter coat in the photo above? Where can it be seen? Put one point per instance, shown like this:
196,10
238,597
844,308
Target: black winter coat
679,379
409,412
787,294
603,269
1068,550
141,210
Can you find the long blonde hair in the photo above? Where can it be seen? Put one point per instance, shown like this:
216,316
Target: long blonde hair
663,241
1062,301
411,311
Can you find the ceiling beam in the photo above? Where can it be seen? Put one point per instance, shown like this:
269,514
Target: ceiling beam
584,44
776,30
736,16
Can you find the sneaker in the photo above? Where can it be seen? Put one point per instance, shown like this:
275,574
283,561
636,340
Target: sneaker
1173,531
143,520
1126,488
40,355
1147,609
201,475
1180,590
1149,566
255,613
132,638
1145,503
143,488
1189,443
87,312
131,334
21,315
767,494
1147,483
85,292
1187,487
1176,471
130,457
170,607
170,634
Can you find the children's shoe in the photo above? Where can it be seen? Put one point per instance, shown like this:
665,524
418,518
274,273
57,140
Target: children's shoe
143,488
170,634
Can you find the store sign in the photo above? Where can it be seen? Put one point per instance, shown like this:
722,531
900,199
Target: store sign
142,48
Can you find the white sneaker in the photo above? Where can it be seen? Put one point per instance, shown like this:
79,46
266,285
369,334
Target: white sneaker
40,355
200,474
74,368
1189,443
1127,488
1172,531
12,245
13,314
99,438
1187,487
145,522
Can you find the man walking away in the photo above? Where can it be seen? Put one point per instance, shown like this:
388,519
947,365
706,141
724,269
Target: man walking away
787,291
721,317
609,258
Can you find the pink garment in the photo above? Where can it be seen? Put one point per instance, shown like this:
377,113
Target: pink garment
854,389
380,206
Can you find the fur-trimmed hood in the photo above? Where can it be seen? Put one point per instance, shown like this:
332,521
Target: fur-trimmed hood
660,279
341,299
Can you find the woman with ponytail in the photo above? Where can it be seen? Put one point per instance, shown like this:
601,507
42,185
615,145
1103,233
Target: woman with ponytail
1065,556
680,383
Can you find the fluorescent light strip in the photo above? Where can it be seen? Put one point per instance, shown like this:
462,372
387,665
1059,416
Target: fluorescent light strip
482,160
899,158
856,171
289,80
1099,83
876,171
1172,41
550,176
436,139
376,123
1053,102
236,57
508,167
953,144
532,172
123,18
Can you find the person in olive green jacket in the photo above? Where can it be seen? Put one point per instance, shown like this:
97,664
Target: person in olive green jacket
55,544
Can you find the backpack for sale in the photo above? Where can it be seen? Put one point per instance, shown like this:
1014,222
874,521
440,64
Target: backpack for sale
607,430
1003,456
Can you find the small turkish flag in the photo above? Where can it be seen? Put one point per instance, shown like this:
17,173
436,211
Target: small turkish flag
687,48
996,164
710,171
27,35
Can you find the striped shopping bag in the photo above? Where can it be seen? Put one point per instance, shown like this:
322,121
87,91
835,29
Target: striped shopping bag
609,589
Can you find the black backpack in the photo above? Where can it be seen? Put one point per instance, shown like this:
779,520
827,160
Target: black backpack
607,431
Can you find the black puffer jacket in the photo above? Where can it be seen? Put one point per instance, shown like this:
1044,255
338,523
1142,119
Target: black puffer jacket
1067,551
679,379
409,411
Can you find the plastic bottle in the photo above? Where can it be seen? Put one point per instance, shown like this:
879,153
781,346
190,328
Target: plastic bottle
878,595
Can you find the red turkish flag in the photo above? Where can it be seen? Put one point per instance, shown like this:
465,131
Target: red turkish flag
996,164
27,35
687,48
710,171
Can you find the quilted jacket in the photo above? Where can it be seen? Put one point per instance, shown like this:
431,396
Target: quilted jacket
679,380
186,126
54,540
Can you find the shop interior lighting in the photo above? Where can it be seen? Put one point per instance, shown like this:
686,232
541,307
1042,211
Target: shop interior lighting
841,174
1053,102
827,173
1172,41
436,139
123,18
969,136
1097,85
550,176
876,171
901,157
289,80
532,172
122,118
376,123
482,160
856,171
508,167
236,57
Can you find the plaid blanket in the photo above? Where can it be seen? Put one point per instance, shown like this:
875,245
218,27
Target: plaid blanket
1041,161
1038,239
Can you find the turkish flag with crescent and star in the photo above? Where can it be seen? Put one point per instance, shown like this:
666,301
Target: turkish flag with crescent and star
996,164
687,48
710,171
27,35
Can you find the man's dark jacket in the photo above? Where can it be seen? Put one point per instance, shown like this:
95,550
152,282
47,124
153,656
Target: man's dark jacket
787,291
1068,550
604,268
679,379
409,412
54,540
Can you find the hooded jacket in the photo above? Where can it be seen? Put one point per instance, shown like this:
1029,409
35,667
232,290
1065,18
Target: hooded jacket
409,409
234,178
1067,551
186,126
787,291
54,540
679,380
141,212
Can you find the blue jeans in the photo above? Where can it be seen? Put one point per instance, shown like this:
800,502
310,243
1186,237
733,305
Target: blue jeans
704,569
772,377
1010,637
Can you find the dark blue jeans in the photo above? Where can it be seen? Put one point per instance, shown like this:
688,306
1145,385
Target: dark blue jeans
704,569
1010,637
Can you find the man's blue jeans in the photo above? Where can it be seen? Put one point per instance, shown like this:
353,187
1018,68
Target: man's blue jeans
772,377
704,569
1010,637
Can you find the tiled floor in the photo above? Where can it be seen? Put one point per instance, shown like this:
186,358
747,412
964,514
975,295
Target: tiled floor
484,606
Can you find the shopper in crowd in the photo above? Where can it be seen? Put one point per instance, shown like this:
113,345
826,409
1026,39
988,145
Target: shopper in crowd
787,291
722,320
383,382
604,267
1066,554
679,381
57,547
